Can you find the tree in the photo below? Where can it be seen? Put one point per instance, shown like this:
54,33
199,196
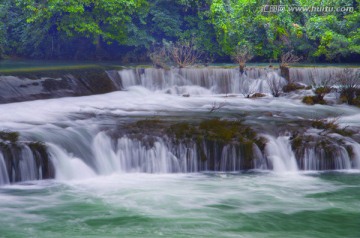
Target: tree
183,53
159,57
276,84
287,59
99,20
349,82
241,55
2,30
335,34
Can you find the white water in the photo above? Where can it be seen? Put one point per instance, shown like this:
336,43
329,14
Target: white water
73,127
67,166
317,75
280,154
27,165
202,81
4,177
356,154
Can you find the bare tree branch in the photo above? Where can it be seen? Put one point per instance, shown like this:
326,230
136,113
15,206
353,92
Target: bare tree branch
216,106
241,55
159,57
184,53
289,58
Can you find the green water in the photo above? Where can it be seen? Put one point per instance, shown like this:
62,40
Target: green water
185,205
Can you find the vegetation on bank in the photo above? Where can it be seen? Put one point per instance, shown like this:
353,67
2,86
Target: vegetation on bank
131,30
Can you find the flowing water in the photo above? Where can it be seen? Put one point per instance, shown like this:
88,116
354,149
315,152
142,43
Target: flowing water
181,205
109,184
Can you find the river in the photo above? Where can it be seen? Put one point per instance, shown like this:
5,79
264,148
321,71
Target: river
112,182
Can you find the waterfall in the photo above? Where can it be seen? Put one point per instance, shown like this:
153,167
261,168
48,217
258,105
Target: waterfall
4,177
316,75
67,166
150,155
23,162
199,81
356,155
91,136
27,165
159,154
278,151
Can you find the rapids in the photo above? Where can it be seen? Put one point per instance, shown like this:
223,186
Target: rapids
79,167
75,130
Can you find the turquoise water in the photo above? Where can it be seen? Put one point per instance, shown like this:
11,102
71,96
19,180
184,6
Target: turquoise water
185,205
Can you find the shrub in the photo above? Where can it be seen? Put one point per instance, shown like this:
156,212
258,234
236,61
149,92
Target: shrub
292,87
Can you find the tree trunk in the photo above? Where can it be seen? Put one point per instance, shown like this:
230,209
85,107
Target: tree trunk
285,72
99,52
242,68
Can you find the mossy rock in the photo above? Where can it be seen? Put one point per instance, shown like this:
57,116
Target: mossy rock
209,136
293,87
322,90
182,130
331,127
257,95
311,100
9,136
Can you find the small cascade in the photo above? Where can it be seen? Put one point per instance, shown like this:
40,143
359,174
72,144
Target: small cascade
326,152
135,156
320,159
27,165
278,151
24,161
67,166
356,155
316,75
162,155
199,81
4,177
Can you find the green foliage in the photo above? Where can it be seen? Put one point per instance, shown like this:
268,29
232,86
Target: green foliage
105,29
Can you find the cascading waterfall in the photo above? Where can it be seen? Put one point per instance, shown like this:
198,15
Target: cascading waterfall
318,159
279,152
4,177
316,75
27,165
74,149
199,81
67,166
160,155
126,155
23,162
356,154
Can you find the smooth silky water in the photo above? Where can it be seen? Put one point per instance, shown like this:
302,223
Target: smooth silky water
96,193
253,204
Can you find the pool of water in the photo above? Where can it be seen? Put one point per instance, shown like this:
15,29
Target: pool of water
255,204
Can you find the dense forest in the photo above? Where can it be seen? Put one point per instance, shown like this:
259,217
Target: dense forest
129,30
